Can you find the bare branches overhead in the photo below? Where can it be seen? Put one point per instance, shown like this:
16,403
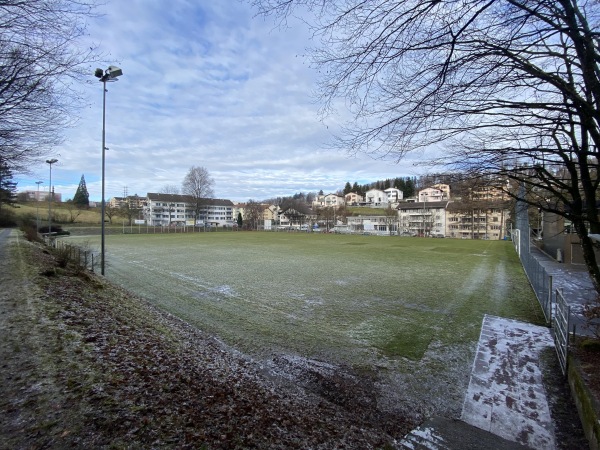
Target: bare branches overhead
42,61
509,88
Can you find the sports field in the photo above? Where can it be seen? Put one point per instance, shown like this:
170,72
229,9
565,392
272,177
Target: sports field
405,310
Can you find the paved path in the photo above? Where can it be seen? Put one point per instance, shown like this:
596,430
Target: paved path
574,282
506,395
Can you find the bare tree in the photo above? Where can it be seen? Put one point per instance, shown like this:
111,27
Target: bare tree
253,214
507,88
391,218
73,210
172,189
41,65
112,212
130,212
199,185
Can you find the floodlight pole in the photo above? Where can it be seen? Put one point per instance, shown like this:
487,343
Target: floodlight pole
109,74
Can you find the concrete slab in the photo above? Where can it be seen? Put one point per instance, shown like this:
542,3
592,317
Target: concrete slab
449,434
506,395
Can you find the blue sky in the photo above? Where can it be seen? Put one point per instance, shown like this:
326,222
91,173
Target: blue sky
206,83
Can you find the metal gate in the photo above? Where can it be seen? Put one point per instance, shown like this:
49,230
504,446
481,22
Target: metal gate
561,329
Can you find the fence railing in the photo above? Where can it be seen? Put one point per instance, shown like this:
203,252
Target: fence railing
555,307
83,258
560,325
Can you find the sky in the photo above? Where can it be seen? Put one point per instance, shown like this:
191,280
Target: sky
205,83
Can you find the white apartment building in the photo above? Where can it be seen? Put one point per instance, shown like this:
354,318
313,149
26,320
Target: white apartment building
394,195
174,210
376,198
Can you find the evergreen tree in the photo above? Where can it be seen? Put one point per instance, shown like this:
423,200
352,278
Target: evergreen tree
356,188
82,197
410,187
240,221
347,188
8,188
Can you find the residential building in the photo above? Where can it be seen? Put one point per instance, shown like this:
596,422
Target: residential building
372,224
132,201
297,216
175,209
328,201
376,198
333,200
394,195
477,220
422,218
437,193
42,196
352,198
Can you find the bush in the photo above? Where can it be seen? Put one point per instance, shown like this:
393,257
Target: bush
28,226
7,218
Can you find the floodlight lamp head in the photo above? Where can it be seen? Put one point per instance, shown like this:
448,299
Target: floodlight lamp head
99,73
52,161
114,71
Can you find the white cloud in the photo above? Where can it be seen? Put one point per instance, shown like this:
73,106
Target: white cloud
205,83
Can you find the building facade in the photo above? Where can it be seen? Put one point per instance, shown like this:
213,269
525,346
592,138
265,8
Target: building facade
422,218
477,220
179,210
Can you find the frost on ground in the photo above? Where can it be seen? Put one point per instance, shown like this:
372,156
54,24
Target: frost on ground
506,395
88,365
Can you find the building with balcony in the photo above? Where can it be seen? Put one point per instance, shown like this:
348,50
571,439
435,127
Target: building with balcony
477,220
175,210
422,218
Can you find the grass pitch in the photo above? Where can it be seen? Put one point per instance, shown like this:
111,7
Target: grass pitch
356,300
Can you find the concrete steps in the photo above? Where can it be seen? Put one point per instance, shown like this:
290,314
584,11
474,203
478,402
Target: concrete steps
447,434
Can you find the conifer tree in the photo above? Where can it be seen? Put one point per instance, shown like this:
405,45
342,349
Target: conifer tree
82,197
8,187
347,188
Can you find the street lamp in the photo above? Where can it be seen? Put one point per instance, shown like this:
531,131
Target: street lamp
50,162
110,74
37,212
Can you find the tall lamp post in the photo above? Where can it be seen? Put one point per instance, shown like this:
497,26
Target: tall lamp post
37,203
110,74
50,162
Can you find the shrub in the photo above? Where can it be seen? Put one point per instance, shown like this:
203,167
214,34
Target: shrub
27,224
7,218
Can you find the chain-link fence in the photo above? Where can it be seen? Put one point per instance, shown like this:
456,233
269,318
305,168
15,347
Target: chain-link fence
555,308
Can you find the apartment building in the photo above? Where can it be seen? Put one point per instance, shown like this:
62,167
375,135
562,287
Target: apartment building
376,198
477,220
394,195
174,210
436,193
352,198
422,218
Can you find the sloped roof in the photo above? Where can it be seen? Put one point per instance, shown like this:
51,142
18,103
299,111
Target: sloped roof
298,209
422,205
174,198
